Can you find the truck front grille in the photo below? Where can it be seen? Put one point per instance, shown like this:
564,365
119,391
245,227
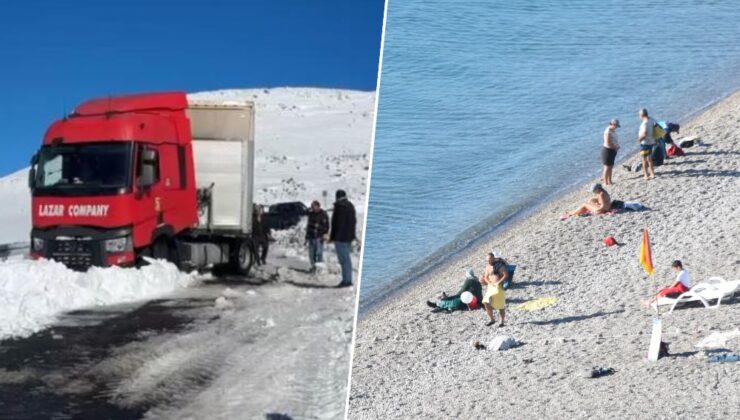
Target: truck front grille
75,254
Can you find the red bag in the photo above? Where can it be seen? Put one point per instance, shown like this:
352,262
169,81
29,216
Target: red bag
610,241
674,151
473,305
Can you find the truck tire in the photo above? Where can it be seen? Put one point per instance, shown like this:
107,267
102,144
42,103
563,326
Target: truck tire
242,259
165,249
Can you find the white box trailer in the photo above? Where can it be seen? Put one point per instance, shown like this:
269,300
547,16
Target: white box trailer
222,137
223,153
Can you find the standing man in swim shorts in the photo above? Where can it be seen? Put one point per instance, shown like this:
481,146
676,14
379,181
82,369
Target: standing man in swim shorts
609,151
646,140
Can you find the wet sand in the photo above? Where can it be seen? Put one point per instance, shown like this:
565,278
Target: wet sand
409,362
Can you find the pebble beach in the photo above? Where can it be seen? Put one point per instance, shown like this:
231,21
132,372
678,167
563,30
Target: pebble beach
411,363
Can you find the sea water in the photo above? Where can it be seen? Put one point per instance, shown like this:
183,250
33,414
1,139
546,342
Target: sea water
487,107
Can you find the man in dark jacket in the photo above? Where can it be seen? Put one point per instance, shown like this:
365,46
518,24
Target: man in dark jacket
261,234
343,223
316,230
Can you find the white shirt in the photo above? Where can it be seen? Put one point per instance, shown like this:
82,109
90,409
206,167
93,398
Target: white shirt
613,134
646,127
683,277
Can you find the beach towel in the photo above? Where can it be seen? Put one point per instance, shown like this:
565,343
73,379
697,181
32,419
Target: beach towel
537,304
724,358
633,206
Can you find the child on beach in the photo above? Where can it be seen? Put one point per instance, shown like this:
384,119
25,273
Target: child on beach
493,278
600,203
681,285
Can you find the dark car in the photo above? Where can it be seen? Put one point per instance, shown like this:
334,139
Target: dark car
285,215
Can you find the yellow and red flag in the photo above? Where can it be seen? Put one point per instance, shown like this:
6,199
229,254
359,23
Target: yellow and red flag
646,256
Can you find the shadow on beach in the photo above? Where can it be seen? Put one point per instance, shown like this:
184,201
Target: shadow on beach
715,153
523,284
672,162
568,319
701,172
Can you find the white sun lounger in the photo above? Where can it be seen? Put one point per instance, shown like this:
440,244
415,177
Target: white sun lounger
715,288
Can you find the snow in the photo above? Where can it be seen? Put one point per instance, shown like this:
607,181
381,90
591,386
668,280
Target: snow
34,293
16,211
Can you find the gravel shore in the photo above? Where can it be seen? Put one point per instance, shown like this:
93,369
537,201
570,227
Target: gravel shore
409,362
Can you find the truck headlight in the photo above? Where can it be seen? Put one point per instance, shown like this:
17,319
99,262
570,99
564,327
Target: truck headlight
117,245
38,244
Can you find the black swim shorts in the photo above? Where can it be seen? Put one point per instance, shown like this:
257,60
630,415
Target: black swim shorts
608,155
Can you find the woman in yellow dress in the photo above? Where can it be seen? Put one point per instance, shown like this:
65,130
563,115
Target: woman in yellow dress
493,278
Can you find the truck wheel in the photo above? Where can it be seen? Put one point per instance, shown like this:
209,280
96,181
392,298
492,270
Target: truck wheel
165,249
243,258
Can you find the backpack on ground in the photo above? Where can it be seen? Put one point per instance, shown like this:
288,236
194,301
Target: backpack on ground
658,153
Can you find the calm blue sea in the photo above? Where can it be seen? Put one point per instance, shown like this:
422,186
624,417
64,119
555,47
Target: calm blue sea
487,105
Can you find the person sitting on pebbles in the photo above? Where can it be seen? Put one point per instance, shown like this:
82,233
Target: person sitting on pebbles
454,302
493,278
600,203
682,284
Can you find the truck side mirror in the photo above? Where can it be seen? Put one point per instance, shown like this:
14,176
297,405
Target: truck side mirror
31,177
32,171
146,179
148,168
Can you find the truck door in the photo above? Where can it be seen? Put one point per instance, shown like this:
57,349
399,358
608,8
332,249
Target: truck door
148,194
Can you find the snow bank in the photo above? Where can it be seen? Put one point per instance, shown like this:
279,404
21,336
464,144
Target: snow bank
33,293
15,214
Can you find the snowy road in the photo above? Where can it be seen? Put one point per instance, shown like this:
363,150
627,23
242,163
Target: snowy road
220,350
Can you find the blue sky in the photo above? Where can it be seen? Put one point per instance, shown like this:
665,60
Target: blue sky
55,54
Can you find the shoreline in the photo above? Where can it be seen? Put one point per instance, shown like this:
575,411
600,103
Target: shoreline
469,238
410,362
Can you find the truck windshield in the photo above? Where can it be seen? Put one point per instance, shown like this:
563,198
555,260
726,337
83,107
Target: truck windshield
89,169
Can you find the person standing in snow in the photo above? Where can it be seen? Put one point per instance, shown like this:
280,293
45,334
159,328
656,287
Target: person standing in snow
316,230
261,235
343,224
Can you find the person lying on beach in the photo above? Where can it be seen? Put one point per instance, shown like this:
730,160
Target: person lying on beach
493,278
600,203
452,303
681,285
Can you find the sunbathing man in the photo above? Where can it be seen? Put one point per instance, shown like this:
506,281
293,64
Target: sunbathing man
494,277
681,285
451,303
600,203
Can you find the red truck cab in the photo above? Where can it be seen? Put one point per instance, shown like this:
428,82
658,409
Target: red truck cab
115,181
